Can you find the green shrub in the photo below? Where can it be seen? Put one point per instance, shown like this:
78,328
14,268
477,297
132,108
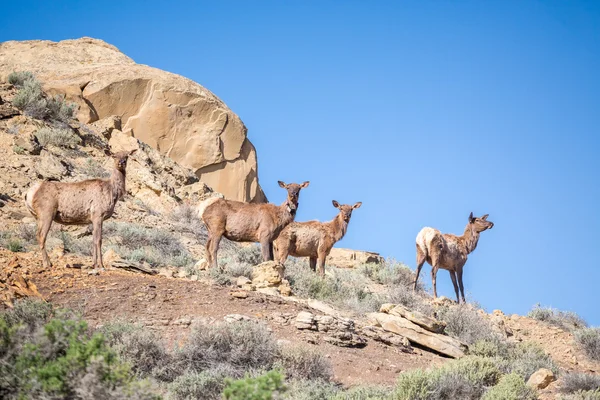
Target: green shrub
466,324
264,387
526,358
59,137
477,370
93,169
564,319
494,347
510,387
579,382
142,349
46,354
582,395
207,385
302,362
243,345
156,247
363,393
414,385
344,288
410,299
81,246
31,99
19,78
589,340
18,150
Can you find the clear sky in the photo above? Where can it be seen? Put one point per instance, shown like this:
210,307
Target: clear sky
423,110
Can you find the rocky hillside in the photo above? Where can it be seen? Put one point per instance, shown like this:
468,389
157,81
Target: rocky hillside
172,114
360,332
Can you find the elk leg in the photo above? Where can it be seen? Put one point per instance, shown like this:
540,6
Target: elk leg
208,253
321,263
266,249
453,277
420,261
44,224
213,250
459,273
97,245
433,276
312,262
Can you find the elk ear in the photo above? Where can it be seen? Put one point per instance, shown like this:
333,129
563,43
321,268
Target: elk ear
485,217
283,185
357,205
335,204
471,217
305,184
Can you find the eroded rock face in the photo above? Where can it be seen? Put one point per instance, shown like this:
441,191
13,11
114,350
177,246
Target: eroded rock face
347,258
173,114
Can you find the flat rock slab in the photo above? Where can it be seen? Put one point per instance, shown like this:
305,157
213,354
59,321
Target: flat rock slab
418,318
413,332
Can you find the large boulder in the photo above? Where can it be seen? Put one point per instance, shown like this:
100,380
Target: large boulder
173,114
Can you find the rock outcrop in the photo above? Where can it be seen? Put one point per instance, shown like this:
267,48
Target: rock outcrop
346,258
173,114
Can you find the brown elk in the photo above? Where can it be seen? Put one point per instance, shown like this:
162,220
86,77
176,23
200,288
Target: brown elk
247,222
78,203
449,252
314,239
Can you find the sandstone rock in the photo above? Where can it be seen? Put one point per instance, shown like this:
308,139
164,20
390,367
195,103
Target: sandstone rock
541,378
105,126
50,167
110,256
442,301
241,281
285,289
201,265
174,115
340,331
267,274
239,294
305,320
28,143
389,338
413,332
418,318
346,258
196,192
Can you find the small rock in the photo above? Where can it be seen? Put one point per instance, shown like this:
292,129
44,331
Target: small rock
201,265
94,272
194,278
498,313
285,289
239,294
110,256
267,274
183,321
242,280
236,317
541,378
28,143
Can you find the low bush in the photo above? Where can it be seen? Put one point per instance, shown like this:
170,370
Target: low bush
525,358
579,382
589,340
510,387
137,243
31,99
244,346
304,363
93,169
59,137
311,390
466,323
47,354
263,387
564,319
206,385
18,78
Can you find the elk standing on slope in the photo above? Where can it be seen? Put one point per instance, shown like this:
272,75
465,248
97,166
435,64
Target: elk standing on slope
314,239
449,252
78,203
247,222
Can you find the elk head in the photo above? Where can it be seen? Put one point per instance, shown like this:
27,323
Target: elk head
346,209
293,190
480,224
120,158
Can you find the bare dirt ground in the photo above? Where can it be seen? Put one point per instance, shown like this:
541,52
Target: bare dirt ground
168,305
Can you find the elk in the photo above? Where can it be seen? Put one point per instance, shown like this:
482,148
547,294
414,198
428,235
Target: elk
247,222
78,203
449,252
314,239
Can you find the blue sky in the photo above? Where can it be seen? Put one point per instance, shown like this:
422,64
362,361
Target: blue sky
423,110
